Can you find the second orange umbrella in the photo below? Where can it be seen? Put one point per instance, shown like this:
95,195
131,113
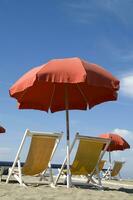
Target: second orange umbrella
117,143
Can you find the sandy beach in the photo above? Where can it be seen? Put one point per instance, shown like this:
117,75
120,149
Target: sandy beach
112,190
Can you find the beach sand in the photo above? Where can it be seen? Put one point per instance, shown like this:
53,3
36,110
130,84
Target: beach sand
113,190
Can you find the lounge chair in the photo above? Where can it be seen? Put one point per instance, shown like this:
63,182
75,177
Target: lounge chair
89,153
41,151
101,165
113,172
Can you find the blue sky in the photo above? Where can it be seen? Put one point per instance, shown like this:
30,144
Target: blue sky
35,31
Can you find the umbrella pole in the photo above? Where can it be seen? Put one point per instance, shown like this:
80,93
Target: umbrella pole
68,140
110,157
110,165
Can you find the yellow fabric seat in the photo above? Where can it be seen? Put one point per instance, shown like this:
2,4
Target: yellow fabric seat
116,168
86,157
40,152
100,166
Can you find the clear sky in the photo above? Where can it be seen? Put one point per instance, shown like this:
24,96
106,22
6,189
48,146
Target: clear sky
35,31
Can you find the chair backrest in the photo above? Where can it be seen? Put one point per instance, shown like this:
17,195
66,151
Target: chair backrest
40,153
116,168
88,155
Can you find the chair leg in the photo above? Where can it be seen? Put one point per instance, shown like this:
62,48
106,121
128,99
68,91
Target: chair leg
19,173
51,175
17,157
42,176
1,172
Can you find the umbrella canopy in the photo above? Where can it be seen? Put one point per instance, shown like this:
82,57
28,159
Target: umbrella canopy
117,142
44,87
65,84
2,129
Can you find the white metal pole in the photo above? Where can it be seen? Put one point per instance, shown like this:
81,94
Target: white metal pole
110,157
68,138
65,160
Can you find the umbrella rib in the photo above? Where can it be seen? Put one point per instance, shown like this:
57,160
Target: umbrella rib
81,92
52,97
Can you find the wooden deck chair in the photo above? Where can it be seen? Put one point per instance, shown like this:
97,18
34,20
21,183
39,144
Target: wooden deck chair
100,165
89,153
41,151
117,168
114,172
100,168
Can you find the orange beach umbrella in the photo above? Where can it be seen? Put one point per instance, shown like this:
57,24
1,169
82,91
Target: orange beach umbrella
117,143
65,84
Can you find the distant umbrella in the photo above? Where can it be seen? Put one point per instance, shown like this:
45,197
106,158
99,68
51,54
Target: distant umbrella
117,143
2,129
